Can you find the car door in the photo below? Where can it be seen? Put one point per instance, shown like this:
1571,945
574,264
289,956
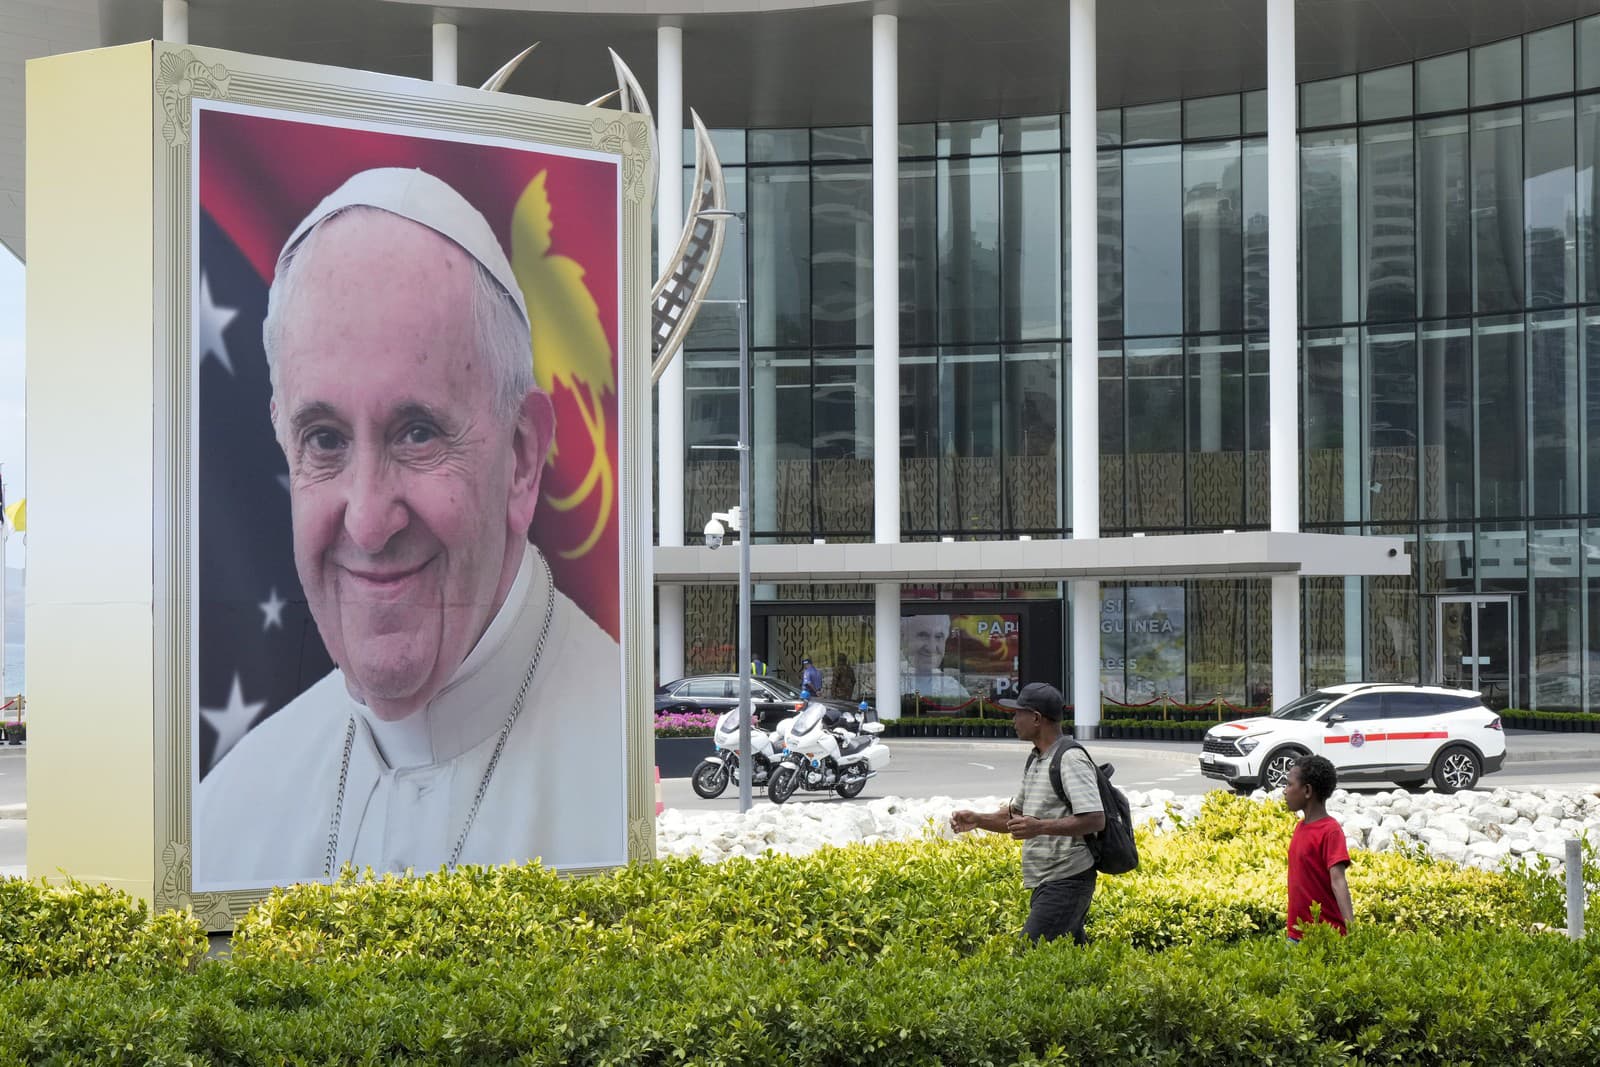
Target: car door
1416,726
769,704
1355,737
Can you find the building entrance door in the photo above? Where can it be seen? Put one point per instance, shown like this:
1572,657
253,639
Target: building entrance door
1475,647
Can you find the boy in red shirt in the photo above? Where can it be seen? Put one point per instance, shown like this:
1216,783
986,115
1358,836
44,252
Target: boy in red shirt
1317,854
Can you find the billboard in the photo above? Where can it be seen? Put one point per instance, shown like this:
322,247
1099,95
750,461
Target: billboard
950,660
406,528
1142,643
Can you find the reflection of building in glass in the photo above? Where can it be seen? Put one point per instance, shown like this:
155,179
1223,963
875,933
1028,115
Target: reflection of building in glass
1448,386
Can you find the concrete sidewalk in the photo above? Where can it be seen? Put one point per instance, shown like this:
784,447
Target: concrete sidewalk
1543,746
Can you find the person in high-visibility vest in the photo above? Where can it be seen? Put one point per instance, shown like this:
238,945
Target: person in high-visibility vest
758,667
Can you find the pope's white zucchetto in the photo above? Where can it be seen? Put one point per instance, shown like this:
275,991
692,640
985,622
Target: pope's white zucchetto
422,198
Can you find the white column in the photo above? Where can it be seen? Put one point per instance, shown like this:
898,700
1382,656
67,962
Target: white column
669,225
1082,142
886,344
444,53
175,21
886,597
1283,336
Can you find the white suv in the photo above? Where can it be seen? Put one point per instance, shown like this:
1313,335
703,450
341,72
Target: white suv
1372,732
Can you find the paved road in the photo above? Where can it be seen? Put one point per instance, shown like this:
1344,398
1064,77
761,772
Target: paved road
13,779
13,790
926,768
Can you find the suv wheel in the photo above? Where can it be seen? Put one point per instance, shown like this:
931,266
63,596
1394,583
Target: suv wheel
1275,771
1456,768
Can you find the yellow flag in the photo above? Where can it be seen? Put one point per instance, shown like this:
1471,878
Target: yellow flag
17,515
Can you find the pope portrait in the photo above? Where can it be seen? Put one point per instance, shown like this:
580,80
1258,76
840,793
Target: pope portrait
923,639
474,713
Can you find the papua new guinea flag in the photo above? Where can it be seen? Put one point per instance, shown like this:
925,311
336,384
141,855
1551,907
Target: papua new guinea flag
259,174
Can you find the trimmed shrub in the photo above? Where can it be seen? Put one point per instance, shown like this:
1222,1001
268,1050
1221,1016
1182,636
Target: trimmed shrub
887,955
1492,997
48,931
1567,721
1219,878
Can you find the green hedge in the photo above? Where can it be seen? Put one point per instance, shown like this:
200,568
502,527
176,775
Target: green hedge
1563,721
1154,730
894,954
950,726
47,931
1491,997
1114,724
1219,878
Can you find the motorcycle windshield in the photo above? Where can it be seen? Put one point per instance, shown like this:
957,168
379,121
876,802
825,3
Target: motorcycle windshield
808,720
729,723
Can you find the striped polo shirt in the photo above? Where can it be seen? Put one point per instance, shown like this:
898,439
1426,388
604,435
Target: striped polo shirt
1049,857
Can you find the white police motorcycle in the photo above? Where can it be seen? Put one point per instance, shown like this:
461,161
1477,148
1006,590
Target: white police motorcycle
827,752
712,774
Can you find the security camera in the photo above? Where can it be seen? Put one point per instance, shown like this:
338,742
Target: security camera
714,534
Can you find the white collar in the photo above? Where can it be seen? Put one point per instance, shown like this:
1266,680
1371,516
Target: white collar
475,701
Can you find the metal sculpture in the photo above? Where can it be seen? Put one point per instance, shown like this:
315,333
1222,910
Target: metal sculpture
681,290
677,296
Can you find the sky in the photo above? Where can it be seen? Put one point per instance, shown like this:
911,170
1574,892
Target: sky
13,435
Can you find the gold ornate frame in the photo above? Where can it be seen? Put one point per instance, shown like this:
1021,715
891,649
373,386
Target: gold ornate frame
181,76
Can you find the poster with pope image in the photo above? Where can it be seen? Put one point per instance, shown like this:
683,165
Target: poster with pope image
407,569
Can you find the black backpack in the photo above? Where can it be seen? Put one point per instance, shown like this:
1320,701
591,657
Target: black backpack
1113,848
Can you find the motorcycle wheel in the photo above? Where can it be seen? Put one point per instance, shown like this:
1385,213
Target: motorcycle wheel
851,785
784,781
709,779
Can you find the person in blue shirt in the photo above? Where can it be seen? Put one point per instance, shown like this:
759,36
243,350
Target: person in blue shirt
810,676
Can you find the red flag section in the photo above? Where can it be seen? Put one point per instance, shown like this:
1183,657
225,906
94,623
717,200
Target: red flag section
260,175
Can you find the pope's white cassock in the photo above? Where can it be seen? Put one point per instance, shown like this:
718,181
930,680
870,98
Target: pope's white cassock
933,684
264,816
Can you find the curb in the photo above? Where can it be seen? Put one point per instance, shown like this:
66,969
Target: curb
1548,755
1132,748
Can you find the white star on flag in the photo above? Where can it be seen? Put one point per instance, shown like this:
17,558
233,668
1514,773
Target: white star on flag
232,722
213,320
272,610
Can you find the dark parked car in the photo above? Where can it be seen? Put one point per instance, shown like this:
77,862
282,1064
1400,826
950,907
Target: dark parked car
774,698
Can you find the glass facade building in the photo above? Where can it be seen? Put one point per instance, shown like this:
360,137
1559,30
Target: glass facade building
1449,372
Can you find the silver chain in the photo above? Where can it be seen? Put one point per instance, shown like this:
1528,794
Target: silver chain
494,758
338,803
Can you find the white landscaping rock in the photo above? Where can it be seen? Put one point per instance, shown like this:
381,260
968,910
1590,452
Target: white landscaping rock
1483,829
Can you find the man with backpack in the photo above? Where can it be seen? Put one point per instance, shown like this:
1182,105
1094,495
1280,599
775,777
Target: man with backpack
1055,812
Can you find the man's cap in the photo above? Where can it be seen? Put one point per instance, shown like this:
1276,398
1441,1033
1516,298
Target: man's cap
1041,697
427,201
805,661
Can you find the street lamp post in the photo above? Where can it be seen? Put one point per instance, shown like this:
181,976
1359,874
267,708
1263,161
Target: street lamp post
746,518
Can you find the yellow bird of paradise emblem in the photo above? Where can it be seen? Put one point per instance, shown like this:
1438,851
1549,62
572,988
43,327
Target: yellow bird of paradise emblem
569,347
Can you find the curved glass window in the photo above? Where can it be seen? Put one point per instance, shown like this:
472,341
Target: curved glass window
1449,364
